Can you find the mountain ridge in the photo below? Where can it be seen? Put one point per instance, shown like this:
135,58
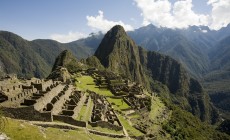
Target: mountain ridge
125,57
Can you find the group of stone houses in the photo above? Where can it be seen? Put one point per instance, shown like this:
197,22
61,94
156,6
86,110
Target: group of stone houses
53,100
131,92
49,100
41,100
103,114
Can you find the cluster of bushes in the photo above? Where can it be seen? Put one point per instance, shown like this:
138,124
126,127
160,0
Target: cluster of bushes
184,126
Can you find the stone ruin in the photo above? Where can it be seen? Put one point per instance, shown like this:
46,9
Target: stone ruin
131,92
138,102
41,100
103,114
70,105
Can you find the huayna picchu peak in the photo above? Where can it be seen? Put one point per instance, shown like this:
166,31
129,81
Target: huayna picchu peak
119,53
122,91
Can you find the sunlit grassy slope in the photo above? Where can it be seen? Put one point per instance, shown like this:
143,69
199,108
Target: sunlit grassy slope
86,82
23,130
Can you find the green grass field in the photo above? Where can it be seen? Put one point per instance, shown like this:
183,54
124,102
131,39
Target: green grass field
131,130
106,130
23,130
156,108
88,114
81,114
119,104
86,82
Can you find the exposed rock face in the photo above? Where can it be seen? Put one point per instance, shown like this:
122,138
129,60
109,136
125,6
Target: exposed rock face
119,53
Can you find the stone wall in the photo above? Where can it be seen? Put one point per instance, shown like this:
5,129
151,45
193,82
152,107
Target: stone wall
69,120
57,107
43,101
105,124
26,113
42,85
106,134
77,109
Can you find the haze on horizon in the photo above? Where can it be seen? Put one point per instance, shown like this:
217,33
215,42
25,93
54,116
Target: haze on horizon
68,21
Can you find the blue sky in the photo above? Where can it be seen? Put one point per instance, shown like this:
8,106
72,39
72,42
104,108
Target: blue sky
72,19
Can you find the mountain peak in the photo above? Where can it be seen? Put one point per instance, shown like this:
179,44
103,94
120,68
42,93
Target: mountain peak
116,31
65,59
115,39
117,49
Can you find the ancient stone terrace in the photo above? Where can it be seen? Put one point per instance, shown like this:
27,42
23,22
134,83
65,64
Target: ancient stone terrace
103,114
72,105
15,90
43,85
138,102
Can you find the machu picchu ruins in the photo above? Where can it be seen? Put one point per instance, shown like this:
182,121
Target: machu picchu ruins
67,101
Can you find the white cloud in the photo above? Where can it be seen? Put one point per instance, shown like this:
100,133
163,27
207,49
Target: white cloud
164,13
220,13
71,36
100,23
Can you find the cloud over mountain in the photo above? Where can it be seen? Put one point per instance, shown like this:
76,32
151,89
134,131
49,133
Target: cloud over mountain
220,13
180,14
100,23
65,38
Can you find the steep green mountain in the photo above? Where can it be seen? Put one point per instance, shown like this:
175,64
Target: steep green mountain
17,56
184,45
35,58
218,79
93,62
65,64
47,49
68,60
220,55
112,53
119,53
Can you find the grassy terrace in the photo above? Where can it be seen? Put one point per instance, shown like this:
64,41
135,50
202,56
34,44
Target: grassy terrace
118,104
88,114
86,82
156,108
23,130
131,130
81,115
106,130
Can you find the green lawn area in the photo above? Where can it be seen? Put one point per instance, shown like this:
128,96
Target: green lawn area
106,130
156,107
86,82
18,130
81,114
88,114
119,103
134,116
131,130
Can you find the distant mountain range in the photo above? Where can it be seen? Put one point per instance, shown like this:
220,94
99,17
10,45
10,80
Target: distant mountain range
35,58
203,52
